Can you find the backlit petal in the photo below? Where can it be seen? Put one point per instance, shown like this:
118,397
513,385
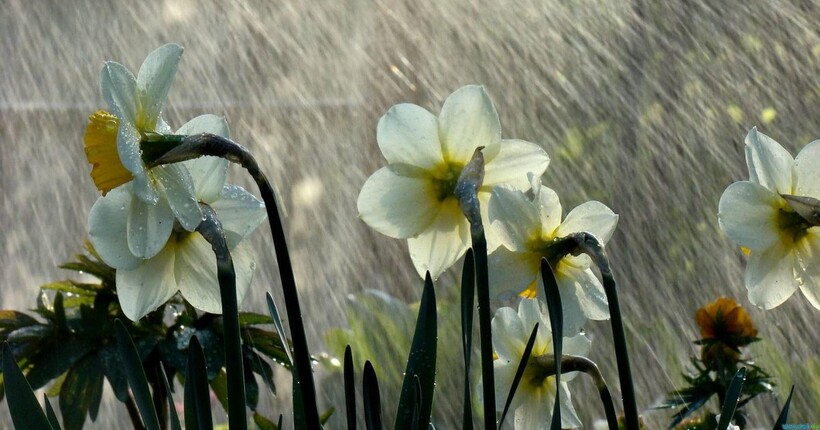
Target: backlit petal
511,272
408,134
509,337
770,276
208,173
747,213
119,89
178,189
149,227
443,242
514,218
107,228
240,213
154,81
549,209
515,158
148,286
397,206
770,165
807,171
592,217
468,120
588,291
569,418
808,255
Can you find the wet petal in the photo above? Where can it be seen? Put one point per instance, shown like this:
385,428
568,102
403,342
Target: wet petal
592,217
154,81
808,255
770,276
397,206
535,408
119,89
509,338
807,171
443,242
588,291
569,418
149,227
515,220
504,371
574,317
147,287
549,210
468,120
511,272
207,173
178,189
128,149
532,312
515,158
770,165
107,228
240,213
408,134
195,272
747,213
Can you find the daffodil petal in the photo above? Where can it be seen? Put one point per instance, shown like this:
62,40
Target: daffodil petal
575,345
770,165
549,210
511,272
569,418
240,213
444,241
408,134
509,335
588,291
504,371
592,217
128,149
149,227
747,213
468,120
179,192
513,217
207,173
514,159
808,253
535,410
118,88
107,228
397,206
807,171
493,240
148,286
532,312
154,81
574,317
770,276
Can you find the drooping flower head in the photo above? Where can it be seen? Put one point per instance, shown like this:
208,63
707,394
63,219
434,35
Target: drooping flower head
535,395
773,215
184,261
528,227
413,196
114,146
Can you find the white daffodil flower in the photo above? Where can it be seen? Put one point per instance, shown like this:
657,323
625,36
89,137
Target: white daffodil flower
184,261
527,227
535,395
413,197
784,246
112,143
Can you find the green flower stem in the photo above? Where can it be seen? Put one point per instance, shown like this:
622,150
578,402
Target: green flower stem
587,243
211,230
574,363
470,180
198,145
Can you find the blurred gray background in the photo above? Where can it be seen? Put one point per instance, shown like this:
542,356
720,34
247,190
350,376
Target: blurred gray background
642,105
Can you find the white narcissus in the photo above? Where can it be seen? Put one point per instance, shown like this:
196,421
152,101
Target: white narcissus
413,196
784,247
185,261
527,227
533,400
113,146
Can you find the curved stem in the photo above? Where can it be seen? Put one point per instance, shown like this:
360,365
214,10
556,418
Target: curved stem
133,413
198,145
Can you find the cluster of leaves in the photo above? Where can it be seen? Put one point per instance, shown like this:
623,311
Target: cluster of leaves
73,343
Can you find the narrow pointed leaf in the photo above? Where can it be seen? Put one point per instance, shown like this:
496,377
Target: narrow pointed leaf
81,392
136,377
197,399
372,402
557,321
784,413
732,397
172,409
467,305
416,402
522,365
421,363
277,322
23,406
50,415
350,389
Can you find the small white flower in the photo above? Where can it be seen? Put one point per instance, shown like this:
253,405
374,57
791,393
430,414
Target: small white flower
113,146
413,197
535,395
184,261
784,247
527,227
